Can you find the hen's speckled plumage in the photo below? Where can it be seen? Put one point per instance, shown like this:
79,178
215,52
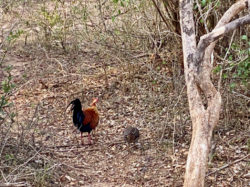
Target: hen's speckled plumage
131,134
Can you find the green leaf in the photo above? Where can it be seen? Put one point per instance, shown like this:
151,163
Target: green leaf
224,75
244,37
122,4
117,32
203,3
217,69
217,4
3,102
12,115
242,52
234,46
232,85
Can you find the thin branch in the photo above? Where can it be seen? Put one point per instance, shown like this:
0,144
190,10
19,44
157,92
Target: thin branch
15,184
227,16
8,34
3,176
207,39
202,16
227,165
163,132
159,11
6,139
241,95
10,174
230,44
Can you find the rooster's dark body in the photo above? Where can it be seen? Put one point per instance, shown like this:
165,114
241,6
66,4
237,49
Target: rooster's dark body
85,120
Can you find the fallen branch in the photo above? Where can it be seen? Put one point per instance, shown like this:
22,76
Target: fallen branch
22,165
16,184
227,165
241,95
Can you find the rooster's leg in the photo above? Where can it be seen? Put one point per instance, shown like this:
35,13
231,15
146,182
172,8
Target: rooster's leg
82,139
89,138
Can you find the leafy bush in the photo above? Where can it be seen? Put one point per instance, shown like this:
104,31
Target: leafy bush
238,64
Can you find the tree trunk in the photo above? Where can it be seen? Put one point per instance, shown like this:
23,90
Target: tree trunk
198,66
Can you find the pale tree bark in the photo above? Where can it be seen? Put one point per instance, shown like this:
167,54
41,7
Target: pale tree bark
198,66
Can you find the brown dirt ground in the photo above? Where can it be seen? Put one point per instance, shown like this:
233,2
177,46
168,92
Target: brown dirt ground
157,160
134,95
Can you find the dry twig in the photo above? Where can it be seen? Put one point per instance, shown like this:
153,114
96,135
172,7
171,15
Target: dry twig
228,165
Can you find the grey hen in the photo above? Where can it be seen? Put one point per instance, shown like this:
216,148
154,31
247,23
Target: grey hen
131,134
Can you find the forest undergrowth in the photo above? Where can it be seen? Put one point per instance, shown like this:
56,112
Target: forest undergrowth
56,52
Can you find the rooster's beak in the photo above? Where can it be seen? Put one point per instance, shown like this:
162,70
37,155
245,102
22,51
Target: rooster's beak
71,103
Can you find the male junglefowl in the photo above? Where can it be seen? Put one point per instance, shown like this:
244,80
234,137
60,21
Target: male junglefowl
87,119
